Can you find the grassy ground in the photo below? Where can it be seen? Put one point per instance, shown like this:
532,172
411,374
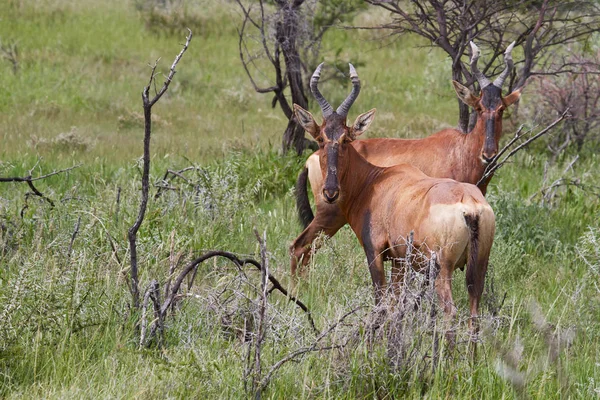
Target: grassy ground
67,331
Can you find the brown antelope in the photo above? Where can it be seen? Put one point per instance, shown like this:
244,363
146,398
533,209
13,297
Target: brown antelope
446,154
383,204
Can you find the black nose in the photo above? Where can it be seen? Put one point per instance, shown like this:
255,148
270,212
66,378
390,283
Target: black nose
331,195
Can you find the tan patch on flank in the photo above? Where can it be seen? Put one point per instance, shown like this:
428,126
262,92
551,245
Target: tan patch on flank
447,231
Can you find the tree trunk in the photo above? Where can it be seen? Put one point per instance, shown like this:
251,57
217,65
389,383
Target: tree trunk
463,109
293,138
286,34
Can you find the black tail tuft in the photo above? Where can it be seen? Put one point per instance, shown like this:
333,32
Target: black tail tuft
474,280
305,213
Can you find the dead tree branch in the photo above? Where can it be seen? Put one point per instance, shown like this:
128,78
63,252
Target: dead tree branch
548,192
164,183
148,103
309,349
495,164
260,334
287,38
239,262
30,179
541,28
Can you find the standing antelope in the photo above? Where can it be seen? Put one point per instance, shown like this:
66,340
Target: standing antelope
383,204
446,154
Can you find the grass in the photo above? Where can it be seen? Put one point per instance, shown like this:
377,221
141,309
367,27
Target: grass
67,330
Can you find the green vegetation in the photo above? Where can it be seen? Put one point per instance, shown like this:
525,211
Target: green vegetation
66,328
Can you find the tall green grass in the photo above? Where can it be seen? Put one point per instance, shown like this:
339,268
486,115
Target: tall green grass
67,327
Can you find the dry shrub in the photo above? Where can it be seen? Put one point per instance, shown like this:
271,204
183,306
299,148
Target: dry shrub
174,16
135,120
73,140
580,92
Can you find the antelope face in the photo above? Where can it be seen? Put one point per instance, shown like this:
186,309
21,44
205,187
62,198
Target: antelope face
490,109
333,135
490,105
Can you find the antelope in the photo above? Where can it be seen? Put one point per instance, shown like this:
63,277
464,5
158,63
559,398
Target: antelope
446,154
383,204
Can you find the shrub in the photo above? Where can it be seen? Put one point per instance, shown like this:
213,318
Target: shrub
580,92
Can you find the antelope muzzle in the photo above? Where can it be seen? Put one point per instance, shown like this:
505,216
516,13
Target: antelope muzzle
490,148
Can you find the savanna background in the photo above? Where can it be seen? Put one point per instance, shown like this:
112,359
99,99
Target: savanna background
71,77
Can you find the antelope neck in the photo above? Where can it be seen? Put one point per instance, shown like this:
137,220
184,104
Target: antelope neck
358,176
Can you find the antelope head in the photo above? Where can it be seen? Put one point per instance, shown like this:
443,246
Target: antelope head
490,105
333,135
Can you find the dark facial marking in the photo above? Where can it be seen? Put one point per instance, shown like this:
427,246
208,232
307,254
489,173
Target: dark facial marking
332,185
491,97
335,126
491,101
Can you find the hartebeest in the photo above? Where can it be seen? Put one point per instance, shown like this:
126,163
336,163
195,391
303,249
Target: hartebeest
383,204
446,154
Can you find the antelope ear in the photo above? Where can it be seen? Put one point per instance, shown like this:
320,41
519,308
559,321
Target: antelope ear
512,98
362,123
307,121
465,95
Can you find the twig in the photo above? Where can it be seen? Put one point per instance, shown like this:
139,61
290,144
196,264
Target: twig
143,319
308,349
118,201
155,297
148,103
173,262
29,179
260,335
494,165
75,232
239,263
165,180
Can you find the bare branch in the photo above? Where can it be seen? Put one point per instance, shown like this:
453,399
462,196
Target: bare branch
239,262
314,347
75,232
29,180
148,103
494,165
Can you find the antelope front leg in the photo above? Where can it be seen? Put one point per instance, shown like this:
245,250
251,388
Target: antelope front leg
377,271
328,220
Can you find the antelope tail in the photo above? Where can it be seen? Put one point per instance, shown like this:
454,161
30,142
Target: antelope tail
475,274
305,213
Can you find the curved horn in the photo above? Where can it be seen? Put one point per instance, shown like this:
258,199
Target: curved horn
509,66
483,81
326,108
345,106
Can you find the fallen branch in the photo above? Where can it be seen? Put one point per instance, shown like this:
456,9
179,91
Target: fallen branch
239,262
494,165
164,183
29,180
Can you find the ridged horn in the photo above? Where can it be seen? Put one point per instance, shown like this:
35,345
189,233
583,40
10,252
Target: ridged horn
345,106
326,108
483,81
509,66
